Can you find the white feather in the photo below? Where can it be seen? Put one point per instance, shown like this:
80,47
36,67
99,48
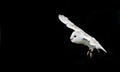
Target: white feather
68,23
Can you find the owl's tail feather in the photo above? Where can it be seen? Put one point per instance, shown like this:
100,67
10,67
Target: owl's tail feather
102,49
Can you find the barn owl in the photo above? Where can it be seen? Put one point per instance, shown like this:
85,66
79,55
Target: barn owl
81,37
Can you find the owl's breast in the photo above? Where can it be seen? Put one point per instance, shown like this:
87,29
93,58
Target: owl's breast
84,41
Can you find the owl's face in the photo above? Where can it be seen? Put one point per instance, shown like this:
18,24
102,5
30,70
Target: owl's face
76,37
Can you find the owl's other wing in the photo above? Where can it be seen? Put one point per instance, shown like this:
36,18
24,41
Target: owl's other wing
68,23
95,43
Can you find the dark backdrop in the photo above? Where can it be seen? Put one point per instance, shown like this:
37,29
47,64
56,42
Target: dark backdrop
34,35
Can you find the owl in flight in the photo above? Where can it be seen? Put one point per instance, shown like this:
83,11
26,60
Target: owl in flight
81,37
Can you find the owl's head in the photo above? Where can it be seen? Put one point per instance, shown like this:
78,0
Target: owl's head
76,37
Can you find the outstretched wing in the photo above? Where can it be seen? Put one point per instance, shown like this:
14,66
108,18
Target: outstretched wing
68,23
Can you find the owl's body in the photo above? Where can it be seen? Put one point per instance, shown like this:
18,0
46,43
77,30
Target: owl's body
85,39
80,37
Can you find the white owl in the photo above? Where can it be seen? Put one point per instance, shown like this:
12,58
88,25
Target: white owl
80,37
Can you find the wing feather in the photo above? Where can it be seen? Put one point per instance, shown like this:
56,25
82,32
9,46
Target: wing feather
68,23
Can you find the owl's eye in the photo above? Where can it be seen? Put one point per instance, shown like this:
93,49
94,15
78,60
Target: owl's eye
74,35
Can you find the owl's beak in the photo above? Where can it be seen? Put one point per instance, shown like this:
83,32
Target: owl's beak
71,38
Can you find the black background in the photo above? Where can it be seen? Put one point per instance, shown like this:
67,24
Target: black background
34,35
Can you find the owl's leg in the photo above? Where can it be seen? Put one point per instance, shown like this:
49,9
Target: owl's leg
90,52
98,50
